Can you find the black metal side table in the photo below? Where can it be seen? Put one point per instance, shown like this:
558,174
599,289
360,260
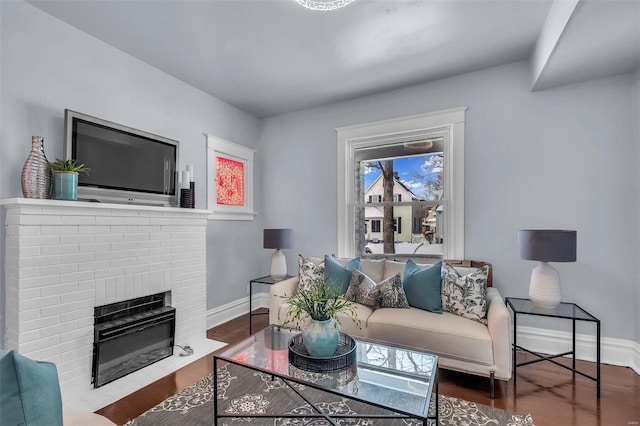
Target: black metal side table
268,280
564,311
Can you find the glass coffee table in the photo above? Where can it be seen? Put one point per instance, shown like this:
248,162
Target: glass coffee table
397,382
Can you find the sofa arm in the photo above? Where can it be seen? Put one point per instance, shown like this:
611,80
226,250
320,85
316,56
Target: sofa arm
277,292
498,322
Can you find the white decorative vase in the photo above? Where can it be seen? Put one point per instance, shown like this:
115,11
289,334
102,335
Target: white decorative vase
321,337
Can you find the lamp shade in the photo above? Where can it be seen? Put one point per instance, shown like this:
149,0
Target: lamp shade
278,238
547,245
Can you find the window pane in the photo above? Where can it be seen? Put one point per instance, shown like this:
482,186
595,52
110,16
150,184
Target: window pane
403,190
416,229
414,178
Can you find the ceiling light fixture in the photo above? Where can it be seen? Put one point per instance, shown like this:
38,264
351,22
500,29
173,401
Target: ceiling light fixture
324,5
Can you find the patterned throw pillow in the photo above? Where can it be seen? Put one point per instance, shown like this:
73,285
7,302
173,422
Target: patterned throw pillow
308,273
387,294
465,296
361,289
391,293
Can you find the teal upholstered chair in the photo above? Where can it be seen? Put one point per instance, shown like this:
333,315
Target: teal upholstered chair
29,392
30,395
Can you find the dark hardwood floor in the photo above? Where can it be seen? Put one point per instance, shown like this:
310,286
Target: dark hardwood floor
551,394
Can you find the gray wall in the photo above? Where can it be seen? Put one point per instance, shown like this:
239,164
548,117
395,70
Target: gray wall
561,158
636,122
48,66
2,213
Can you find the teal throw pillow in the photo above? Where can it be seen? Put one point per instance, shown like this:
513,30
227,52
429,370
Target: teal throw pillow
29,391
422,286
337,275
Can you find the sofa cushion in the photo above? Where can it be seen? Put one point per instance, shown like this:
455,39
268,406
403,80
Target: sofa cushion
422,286
445,334
465,295
348,326
29,391
338,275
373,268
309,272
391,267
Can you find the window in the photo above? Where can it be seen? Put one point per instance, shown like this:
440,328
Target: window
397,225
417,228
418,162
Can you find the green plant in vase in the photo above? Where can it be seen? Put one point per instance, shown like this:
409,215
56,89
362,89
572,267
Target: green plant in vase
317,309
65,178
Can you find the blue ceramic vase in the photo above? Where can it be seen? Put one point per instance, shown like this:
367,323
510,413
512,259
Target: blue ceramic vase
321,338
65,185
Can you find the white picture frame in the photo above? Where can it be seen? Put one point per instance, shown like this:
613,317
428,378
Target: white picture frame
218,148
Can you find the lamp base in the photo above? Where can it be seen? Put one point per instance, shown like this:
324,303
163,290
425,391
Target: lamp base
278,268
544,289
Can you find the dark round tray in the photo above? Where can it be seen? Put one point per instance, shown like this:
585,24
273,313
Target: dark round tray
344,356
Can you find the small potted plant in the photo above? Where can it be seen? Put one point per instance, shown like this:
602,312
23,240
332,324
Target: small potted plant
317,309
65,178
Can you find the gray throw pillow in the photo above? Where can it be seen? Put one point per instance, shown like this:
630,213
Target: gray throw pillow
387,294
361,289
465,296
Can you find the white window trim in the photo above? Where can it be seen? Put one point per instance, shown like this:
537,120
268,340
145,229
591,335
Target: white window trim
220,147
450,124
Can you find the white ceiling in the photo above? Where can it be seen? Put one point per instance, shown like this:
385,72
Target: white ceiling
269,57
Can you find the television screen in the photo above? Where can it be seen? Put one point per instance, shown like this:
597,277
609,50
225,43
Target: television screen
126,165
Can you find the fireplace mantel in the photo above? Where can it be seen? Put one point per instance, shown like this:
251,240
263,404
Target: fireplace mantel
34,202
63,258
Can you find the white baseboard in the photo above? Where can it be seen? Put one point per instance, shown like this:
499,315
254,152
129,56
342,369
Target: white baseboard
236,308
636,358
612,351
621,352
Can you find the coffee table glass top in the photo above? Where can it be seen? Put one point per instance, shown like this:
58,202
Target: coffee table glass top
394,378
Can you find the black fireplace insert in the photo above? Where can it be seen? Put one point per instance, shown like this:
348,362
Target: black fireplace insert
130,335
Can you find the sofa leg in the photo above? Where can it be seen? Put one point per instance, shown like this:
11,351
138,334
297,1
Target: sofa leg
492,385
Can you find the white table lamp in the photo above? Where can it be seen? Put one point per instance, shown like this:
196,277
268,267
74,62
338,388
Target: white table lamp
546,245
278,239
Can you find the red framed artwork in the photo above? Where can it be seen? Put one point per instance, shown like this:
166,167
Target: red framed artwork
229,180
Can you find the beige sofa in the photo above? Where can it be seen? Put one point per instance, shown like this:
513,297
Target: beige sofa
462,344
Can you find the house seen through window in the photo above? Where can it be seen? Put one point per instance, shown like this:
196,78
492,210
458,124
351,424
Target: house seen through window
400,184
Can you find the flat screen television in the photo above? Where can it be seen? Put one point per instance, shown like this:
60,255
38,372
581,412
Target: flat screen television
126,165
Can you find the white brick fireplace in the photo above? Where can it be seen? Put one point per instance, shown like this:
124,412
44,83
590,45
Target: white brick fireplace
64,258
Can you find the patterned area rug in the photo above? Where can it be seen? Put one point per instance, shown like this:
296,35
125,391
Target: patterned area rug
243,391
